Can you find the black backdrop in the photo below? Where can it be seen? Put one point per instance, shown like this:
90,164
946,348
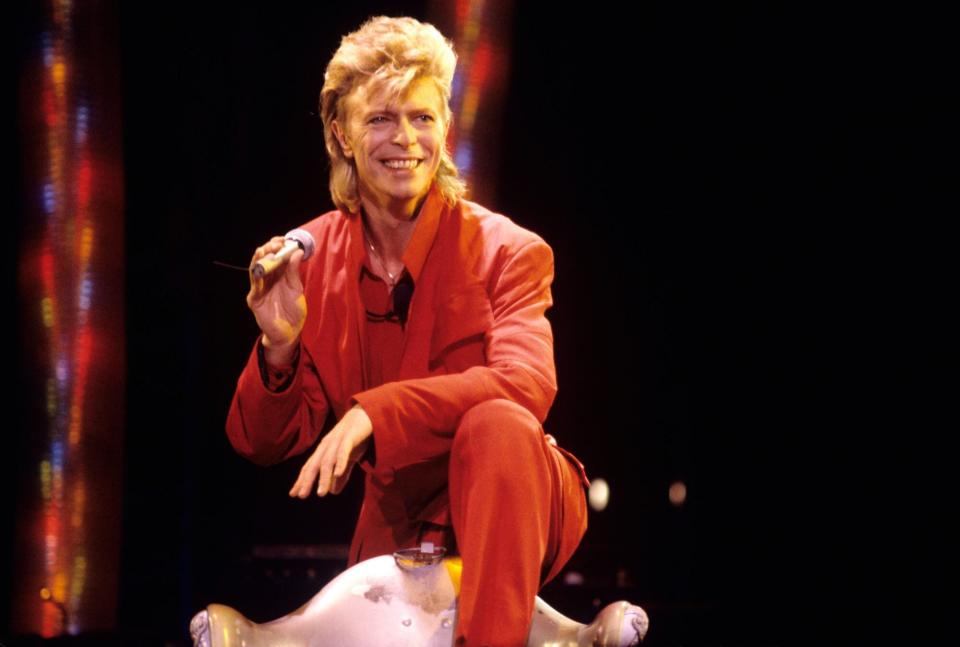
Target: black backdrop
747,208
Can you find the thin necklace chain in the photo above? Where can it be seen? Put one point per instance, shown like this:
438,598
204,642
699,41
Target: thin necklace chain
367,236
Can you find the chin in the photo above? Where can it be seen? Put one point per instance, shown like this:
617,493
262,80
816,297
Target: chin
413,193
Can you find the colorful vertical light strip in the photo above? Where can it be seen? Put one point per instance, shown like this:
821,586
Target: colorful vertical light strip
65,304
78,195
481,33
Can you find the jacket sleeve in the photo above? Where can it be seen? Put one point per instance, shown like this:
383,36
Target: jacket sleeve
415,420
266,426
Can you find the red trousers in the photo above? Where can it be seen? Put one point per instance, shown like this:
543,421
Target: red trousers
518,511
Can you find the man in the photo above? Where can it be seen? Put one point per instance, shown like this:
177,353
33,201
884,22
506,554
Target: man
420,324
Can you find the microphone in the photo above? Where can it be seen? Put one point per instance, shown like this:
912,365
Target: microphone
295,239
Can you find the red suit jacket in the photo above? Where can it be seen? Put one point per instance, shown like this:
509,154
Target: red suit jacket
476,331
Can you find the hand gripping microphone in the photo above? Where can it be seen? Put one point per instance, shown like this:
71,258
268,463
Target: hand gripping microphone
295,239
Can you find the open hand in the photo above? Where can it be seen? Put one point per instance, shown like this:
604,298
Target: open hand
334,458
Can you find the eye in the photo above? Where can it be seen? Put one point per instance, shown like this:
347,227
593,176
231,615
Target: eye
425,118
378,119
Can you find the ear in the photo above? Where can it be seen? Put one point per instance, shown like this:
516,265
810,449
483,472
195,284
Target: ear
342,138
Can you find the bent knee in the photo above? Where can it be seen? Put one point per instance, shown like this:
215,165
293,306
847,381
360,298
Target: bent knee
497,427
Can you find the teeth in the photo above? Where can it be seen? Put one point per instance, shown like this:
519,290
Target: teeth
407,164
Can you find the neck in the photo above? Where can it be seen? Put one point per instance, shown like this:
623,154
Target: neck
391,225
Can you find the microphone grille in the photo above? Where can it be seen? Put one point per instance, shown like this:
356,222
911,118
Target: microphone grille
305,239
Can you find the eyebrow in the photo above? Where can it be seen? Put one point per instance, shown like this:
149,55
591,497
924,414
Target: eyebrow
393,111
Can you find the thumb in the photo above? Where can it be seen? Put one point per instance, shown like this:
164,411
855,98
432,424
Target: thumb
340,482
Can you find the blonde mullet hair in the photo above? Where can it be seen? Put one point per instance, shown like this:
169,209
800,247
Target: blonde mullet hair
391,53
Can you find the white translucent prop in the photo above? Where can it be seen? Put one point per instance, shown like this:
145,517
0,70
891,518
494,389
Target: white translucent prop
407,600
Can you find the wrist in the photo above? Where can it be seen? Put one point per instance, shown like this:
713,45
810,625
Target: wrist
279,355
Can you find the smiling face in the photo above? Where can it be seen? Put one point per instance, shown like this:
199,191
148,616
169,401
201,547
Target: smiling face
395,143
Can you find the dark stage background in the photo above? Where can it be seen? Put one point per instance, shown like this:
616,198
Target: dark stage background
748,210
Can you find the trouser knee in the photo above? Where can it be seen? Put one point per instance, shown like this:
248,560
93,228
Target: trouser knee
497,433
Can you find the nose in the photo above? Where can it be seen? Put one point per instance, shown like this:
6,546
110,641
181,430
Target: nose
405,134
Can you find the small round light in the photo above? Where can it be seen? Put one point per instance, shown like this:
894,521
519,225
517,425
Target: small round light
599,494
678,493
573,578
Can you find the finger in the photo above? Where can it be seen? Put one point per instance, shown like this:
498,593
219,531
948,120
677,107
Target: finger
295,490
261,285
256,283
301,488
307,478
273,267
275,245
272,246
292,274
343,459
308,473
326,467
341,482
